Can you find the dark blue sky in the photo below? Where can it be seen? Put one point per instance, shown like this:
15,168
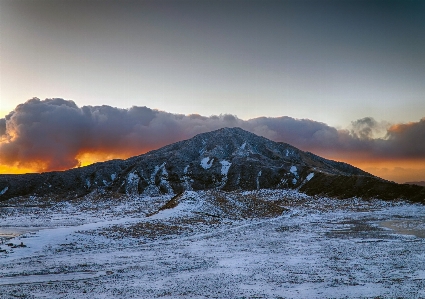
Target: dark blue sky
330,61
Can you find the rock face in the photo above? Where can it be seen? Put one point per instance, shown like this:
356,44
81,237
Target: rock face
227,159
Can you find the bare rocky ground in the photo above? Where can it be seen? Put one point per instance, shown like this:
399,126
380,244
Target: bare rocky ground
211,244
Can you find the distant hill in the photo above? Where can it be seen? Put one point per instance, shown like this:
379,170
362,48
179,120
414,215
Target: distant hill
226,159
421,183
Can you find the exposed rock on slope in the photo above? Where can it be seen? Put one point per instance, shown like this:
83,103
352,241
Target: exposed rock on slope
226,159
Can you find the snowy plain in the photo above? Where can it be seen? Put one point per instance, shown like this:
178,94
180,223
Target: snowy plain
158,247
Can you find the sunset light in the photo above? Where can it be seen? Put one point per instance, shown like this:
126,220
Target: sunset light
212,149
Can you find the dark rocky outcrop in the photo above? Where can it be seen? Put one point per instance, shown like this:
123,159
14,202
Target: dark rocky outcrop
362,186
226,159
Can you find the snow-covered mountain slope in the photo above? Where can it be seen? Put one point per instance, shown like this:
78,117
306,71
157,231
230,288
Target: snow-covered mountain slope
226,159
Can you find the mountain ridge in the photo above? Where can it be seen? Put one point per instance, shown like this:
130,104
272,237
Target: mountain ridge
419,183
227,159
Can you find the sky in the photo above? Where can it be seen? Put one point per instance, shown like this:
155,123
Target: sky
343,79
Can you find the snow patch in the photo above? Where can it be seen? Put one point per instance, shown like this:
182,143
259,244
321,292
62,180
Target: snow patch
164,180
187,179
310,176
258,180
225,165
206,163
113,176
4,190
152,189
245,150
88,184
293,170
132,185
132,177
154,172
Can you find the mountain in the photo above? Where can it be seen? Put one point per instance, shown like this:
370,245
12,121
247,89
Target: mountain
227,159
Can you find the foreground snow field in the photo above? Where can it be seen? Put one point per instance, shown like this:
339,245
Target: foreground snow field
212,245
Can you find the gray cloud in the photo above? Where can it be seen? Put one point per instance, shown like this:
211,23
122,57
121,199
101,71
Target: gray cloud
406,140
2,127
50,134
368,128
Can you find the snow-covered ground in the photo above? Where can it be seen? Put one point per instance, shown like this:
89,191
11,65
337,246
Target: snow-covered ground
211,245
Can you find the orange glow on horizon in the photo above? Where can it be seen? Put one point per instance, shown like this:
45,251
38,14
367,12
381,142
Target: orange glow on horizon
6,169
90,158
399,171
84,159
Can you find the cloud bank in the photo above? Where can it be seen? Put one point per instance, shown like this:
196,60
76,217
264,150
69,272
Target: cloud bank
51,134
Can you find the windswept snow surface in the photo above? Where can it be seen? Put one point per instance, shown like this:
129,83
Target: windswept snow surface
192,248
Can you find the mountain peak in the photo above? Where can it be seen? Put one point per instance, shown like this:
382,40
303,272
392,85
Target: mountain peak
225,159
